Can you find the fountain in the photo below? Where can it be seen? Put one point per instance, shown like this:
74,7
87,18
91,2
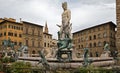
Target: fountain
65,56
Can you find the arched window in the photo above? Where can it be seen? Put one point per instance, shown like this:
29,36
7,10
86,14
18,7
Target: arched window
91,54
94,36
104,43
48,45
97,54
79,46
90,45
90,37
82,46
94,44
44,44
33,52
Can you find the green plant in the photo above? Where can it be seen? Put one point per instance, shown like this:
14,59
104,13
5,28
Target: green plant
11,59
21,67
1,66
5,60
81,70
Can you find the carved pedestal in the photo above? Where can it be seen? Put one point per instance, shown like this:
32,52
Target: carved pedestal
64,55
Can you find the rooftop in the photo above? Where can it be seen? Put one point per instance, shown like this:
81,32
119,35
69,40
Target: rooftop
10,22
32,23
110,22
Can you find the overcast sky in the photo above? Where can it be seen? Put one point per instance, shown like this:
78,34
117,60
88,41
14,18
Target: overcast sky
84,13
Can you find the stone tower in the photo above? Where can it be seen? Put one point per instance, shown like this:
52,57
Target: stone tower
46,28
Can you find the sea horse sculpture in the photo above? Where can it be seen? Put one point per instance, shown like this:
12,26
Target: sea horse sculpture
43,60
8,43
85,58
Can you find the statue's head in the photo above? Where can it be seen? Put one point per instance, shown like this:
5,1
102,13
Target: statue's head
64,5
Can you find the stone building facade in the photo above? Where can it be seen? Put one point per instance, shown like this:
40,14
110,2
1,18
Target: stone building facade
95,38
47,40
32,37
9,28
26,33
118,24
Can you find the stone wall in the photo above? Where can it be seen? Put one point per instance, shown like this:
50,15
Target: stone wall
118,24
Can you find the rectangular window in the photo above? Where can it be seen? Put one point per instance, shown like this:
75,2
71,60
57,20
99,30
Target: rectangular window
9,34
20,35
4,33
82,46
48,45
15,35
15,43
79,46
0,34
44,44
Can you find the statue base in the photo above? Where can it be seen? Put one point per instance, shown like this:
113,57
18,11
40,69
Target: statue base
64,55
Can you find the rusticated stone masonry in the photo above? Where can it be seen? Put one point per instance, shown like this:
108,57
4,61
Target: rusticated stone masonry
118,24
